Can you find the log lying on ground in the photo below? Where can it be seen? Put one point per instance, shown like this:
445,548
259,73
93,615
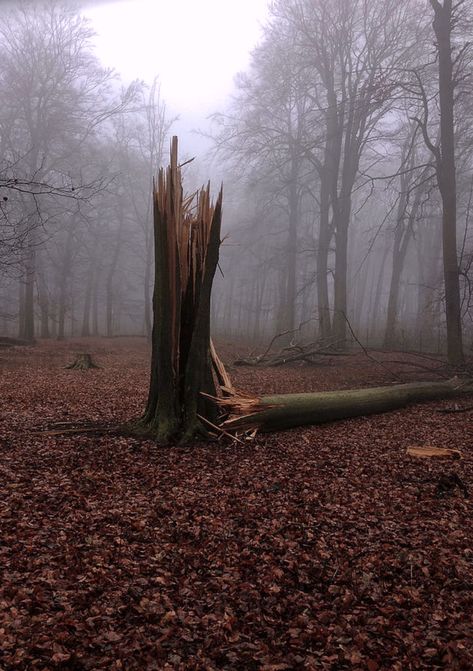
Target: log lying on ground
274,413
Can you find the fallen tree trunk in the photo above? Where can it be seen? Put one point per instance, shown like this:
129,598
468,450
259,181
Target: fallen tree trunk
273,413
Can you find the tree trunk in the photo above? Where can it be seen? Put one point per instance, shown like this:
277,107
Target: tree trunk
110,277
65,273
443,25
340,283
147,291
21,307
290,297
323,248
402,237
95,305
85,330
186,243
27,321
274,413
373,317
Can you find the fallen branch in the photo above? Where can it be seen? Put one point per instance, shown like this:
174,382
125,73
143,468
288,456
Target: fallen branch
97,430
290,354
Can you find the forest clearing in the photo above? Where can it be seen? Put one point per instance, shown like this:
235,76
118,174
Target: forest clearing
236,380
324,547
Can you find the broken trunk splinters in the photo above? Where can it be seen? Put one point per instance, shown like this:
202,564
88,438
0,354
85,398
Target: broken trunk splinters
186,242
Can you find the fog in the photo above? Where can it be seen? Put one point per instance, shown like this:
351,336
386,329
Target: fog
347,203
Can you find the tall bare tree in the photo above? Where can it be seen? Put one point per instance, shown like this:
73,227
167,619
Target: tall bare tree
55,96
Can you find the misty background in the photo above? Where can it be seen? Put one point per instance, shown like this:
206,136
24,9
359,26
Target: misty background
321,120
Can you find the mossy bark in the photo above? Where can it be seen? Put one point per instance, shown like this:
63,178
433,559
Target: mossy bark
273,413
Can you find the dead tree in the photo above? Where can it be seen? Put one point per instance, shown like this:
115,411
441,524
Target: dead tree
183,390
186,243
284,411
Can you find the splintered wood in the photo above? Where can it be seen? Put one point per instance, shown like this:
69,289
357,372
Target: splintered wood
186,242
427,451
183,224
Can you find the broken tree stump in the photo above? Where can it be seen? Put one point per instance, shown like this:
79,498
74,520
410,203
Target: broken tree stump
186,244
83,361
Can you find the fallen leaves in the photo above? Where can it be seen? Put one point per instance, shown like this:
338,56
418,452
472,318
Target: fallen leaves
319,548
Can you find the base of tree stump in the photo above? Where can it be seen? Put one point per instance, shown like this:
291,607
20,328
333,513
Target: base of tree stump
82,362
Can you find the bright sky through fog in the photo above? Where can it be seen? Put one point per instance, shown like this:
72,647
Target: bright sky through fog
195,46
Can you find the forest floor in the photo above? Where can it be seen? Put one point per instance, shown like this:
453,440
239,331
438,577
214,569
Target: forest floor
324,547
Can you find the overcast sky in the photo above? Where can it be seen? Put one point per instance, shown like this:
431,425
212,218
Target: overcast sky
195,46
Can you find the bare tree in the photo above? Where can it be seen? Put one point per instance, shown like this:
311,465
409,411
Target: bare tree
451,58
263,135
55,96
355,50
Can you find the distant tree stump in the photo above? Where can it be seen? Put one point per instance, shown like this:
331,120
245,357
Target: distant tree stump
83,361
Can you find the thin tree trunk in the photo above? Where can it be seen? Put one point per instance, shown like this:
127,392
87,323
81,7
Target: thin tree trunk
28,305
289,309
402,237
64,281
43,300
323,248
85,330
446,174
21,307
110,278
147,290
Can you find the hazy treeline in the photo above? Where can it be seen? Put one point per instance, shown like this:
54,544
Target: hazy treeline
78,151
333,148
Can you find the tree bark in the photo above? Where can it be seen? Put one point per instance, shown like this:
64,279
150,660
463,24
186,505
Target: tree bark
274,413
27,317
323,248
66,268
85,330
147,291
110,277
446,175
186,243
